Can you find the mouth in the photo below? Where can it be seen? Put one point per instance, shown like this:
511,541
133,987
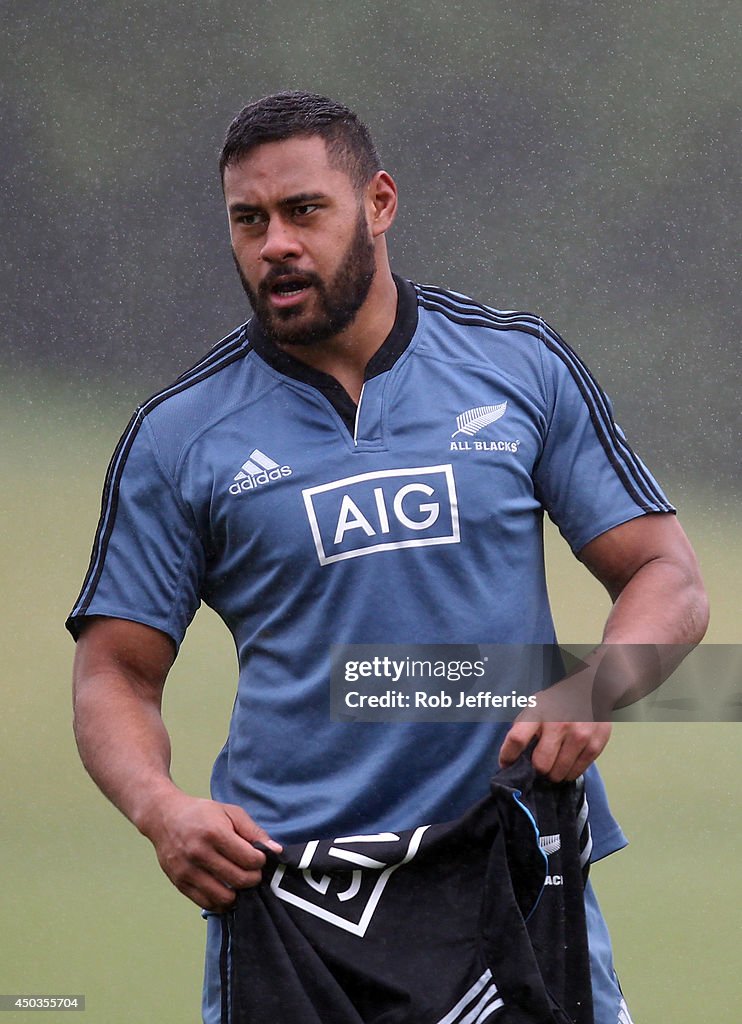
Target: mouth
288,290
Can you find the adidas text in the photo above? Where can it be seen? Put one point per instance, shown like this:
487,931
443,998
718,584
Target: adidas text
252,481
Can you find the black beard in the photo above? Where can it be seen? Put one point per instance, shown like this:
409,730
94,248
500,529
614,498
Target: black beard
339,302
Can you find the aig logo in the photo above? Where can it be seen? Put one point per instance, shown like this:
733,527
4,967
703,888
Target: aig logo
395,508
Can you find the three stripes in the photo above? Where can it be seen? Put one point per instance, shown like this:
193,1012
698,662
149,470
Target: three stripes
477,1004
257,463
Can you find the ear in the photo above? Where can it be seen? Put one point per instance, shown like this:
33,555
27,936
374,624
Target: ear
381,203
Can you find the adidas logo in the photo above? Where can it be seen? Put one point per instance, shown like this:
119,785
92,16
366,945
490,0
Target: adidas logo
258,470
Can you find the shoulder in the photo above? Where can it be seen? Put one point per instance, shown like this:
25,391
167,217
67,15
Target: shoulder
197,386
163,427
226,377
457,328
455,324
457,308
517,340
463,316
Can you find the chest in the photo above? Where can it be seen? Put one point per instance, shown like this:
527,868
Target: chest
433,455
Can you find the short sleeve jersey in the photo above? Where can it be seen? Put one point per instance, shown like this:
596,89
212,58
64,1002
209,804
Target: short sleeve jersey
255,484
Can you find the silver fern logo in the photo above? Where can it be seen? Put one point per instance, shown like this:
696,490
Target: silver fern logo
474,420
550,844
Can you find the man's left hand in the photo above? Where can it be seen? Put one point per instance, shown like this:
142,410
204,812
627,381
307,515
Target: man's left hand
564,749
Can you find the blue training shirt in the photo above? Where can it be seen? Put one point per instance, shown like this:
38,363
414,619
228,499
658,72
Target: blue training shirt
254,484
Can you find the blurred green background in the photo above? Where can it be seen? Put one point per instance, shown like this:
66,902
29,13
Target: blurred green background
580,160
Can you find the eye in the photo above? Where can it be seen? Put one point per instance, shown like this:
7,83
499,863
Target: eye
250,219
304,209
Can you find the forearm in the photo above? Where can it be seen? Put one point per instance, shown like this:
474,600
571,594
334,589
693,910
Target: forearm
656,620
659,614
664,604
123,742
204,847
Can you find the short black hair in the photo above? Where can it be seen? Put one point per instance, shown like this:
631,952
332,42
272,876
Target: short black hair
284,115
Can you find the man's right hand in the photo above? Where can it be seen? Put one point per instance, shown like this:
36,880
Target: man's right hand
205,848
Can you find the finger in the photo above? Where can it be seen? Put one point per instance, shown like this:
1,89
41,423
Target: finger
229,873
567,749
208,893
562,766
548,749
203,855
234,850
210,875
519,736
235,839
598,737
248,829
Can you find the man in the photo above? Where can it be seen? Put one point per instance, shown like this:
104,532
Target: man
304,480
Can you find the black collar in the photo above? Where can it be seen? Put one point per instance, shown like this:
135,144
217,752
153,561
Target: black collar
383,359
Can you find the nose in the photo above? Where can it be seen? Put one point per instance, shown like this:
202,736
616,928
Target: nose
280,242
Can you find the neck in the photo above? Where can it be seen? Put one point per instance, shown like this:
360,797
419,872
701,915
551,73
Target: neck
346,355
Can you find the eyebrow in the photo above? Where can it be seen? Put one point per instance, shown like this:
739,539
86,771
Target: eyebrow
301,198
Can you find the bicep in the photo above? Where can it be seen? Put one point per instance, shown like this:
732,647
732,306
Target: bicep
617,555
112,650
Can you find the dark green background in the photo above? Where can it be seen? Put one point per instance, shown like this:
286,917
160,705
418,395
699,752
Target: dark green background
578,160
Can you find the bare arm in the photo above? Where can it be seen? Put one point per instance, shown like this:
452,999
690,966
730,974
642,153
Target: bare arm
659,613
203,846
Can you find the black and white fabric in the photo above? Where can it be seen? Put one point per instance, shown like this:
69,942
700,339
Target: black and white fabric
477,920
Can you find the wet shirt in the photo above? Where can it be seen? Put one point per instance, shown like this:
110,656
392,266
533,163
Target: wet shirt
255,484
